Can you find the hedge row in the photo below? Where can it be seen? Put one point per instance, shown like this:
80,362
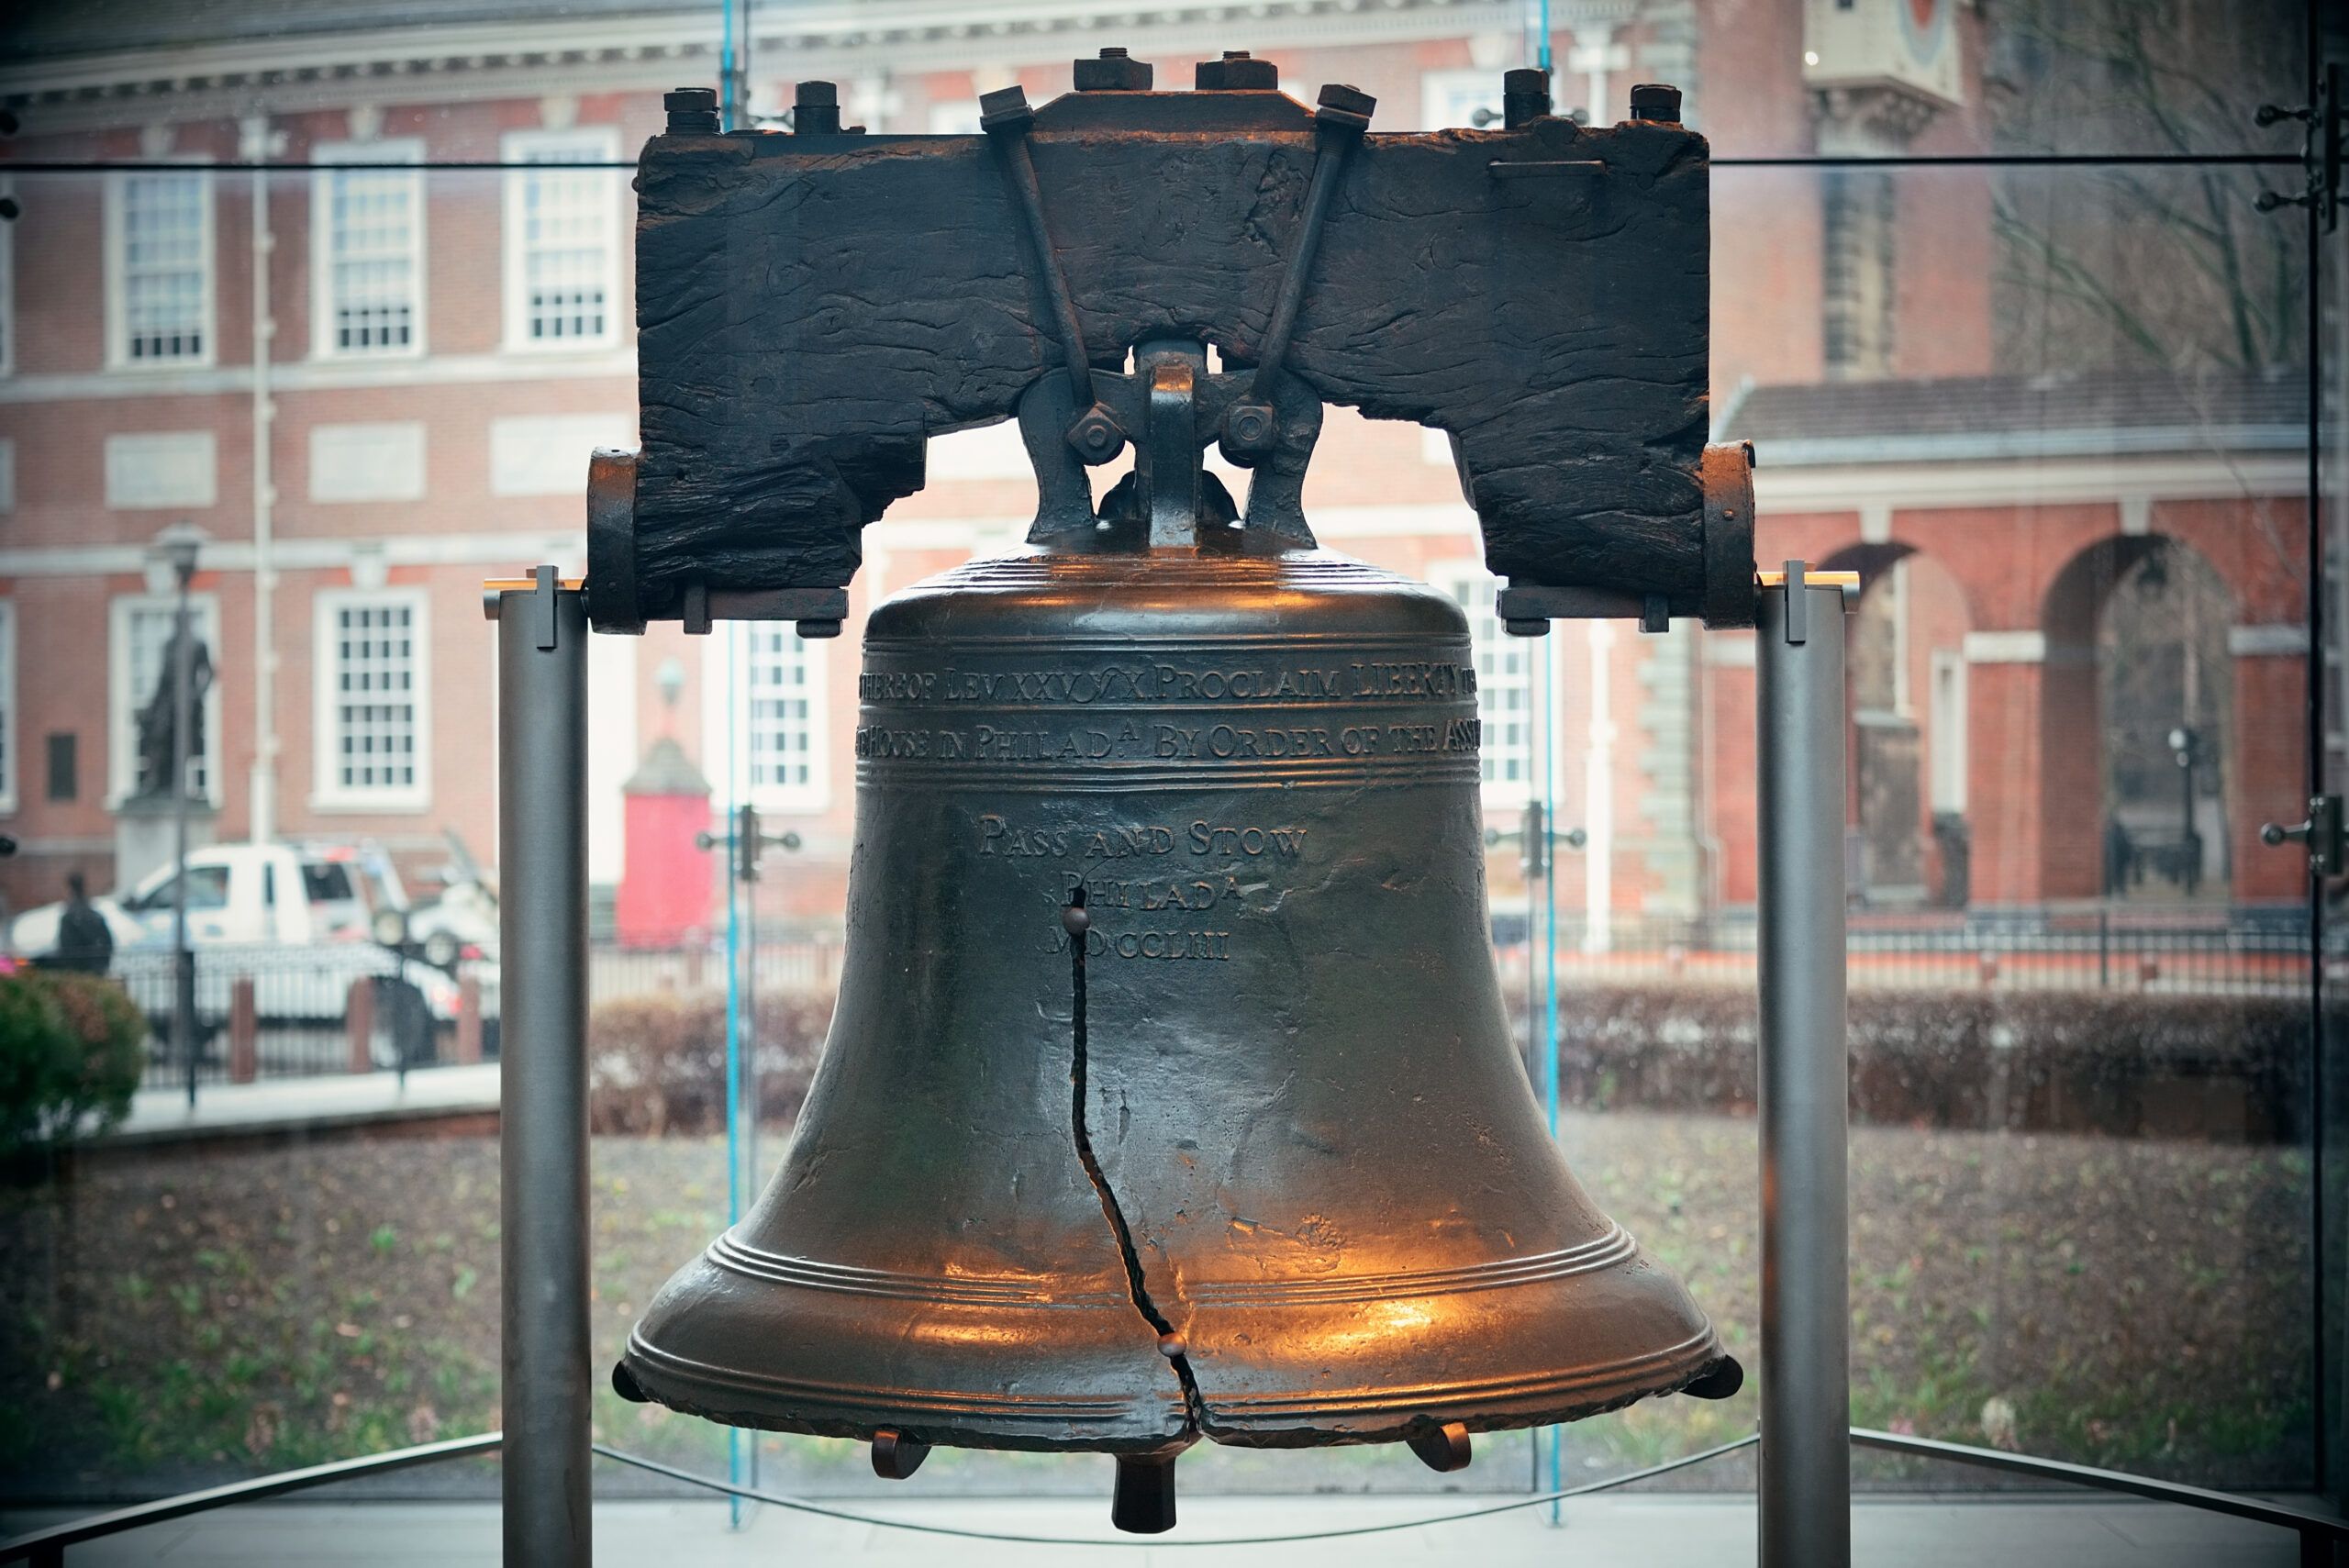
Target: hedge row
657,1065
2117,1063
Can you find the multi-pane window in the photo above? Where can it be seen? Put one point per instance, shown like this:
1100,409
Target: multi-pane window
780,689
371,722
369,230
163,268
562,241
142,640
1504,685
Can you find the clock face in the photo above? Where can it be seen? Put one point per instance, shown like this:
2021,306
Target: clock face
1924,27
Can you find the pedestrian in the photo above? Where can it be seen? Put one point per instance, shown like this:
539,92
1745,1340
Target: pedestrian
84,941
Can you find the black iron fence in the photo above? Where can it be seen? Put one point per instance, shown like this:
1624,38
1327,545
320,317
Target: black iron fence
289,1012
2255,952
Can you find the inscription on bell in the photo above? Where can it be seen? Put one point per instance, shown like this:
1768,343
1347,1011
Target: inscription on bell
999,834
1172,684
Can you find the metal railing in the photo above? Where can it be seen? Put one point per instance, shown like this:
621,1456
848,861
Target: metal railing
2320,1536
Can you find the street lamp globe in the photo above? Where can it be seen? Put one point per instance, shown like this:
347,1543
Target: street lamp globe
178,547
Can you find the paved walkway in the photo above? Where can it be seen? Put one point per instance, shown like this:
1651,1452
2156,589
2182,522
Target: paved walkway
1651,1531
348,1099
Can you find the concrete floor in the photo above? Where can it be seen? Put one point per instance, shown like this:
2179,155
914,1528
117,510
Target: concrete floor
1652,1532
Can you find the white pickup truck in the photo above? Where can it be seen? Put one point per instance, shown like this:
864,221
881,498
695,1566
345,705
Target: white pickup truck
295,918
238,893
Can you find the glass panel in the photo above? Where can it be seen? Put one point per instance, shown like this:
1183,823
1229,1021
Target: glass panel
2050,416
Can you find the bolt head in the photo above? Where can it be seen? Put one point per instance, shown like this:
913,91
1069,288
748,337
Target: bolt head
1250,432
1343,104
1075,920
1095,435
1236,72
1655,101
1115,72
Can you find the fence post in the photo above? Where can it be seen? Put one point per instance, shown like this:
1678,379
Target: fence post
244,1031
359,1025
467,1045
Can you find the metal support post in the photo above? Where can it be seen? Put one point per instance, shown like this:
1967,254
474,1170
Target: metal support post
1806,1469
542,857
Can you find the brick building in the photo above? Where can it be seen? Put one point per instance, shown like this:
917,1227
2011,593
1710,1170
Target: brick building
374,381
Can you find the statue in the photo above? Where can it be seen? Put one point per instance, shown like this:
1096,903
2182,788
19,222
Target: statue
155,715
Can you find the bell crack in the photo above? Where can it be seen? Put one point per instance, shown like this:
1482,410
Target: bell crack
1076,922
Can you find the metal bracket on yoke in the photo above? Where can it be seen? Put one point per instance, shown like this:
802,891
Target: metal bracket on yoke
542,585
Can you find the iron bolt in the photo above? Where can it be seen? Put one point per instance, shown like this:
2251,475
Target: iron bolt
1115,72
1075,920
815,108
1248,429
1655,101
1236,72
1345,106
693,111
1005,110
1095,435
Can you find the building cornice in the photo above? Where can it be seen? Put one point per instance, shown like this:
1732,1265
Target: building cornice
842,39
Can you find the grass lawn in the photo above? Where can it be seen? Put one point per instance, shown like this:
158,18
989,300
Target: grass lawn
177,1319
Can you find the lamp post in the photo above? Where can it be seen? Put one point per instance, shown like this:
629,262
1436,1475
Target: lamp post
179,546
2186,749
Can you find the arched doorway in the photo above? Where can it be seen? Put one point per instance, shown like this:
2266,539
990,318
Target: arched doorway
1906,803
2139,689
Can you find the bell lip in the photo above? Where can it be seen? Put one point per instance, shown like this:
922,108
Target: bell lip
941,1421
1691,1362
1592,1392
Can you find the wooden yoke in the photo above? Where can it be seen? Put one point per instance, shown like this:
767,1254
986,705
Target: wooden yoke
814,306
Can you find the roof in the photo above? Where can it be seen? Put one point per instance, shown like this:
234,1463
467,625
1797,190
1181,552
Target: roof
52,29
2080,414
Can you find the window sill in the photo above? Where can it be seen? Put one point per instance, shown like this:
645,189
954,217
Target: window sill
405,805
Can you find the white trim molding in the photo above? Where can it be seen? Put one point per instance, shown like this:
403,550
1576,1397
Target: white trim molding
411,688
2006,648
1848,488
2284,639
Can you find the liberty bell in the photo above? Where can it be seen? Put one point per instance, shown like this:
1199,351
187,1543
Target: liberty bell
1170,1093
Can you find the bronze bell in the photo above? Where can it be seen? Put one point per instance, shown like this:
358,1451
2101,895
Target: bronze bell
1170,1093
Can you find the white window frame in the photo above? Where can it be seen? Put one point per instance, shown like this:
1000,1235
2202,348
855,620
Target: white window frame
1442,91
602,144
12,762
327,792
1945,733
1487,637
122,702
726,719
408,150
117,314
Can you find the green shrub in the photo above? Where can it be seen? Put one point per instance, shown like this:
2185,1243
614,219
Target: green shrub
71,1047
656,1064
